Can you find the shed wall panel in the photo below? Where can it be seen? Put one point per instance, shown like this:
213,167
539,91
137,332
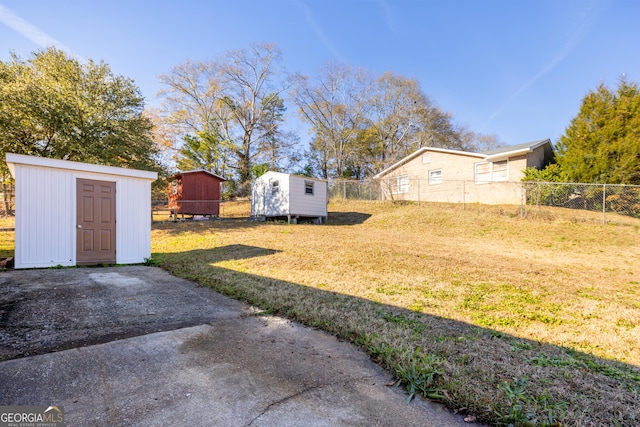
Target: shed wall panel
198,193
268,200
307,204
44,218
133,221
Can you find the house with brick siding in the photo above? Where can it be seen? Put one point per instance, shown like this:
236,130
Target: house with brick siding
433,174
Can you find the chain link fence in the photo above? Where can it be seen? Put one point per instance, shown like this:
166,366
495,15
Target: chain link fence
603,198
424,190
7,201
606,199
354,190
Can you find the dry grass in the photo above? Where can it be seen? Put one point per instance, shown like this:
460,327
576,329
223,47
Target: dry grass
523,321
7,238
528,321
240,208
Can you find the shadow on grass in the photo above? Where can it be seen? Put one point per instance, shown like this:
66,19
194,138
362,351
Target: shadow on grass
500,378
347,218
236,252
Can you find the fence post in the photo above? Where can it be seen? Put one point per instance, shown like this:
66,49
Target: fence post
604,201
523,199
464,195
344,189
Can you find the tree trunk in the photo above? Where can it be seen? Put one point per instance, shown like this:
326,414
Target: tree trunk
7,205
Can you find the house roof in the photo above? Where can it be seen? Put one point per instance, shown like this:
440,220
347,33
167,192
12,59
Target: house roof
490,155
174,176
21,159
421,151
514,150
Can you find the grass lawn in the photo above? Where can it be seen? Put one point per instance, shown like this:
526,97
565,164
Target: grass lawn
523,321
7,240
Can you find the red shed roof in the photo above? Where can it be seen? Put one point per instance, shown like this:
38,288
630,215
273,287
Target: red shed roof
179,174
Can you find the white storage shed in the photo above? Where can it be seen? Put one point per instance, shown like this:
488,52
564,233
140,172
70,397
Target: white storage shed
294,197
70,213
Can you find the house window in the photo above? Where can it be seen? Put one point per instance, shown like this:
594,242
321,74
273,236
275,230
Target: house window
426,158
435,176
403,184
500,171
483,172
492,171
275,185
308,187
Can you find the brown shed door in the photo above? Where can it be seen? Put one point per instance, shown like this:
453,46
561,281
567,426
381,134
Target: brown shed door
96,222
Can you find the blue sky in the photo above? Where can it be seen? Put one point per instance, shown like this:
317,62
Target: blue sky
515,68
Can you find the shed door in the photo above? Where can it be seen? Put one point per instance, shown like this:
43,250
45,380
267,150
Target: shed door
96,222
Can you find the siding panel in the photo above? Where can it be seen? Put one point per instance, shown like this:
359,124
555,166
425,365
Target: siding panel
306,204
133,221
43,218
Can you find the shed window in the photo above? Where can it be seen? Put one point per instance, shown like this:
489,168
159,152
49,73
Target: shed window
403,184
426,158
308,187
275,185
435,176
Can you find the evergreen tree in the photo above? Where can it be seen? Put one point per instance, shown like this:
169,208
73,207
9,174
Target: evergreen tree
54,106
602,143
203,151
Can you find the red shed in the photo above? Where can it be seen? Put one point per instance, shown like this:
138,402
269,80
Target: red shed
195,193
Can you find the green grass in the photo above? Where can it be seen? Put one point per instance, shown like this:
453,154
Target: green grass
7,240
518,321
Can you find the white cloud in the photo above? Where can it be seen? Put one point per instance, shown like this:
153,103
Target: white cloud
30,32
388,14
319,32
579,33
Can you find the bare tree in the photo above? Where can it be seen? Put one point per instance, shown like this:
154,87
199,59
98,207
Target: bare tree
362,124
234,97
335,108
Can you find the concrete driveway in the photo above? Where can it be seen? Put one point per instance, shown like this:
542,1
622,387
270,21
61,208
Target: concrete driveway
133,346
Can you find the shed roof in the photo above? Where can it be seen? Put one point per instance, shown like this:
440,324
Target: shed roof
13,159
293,175
174,176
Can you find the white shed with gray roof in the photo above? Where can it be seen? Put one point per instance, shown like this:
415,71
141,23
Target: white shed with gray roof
291,197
